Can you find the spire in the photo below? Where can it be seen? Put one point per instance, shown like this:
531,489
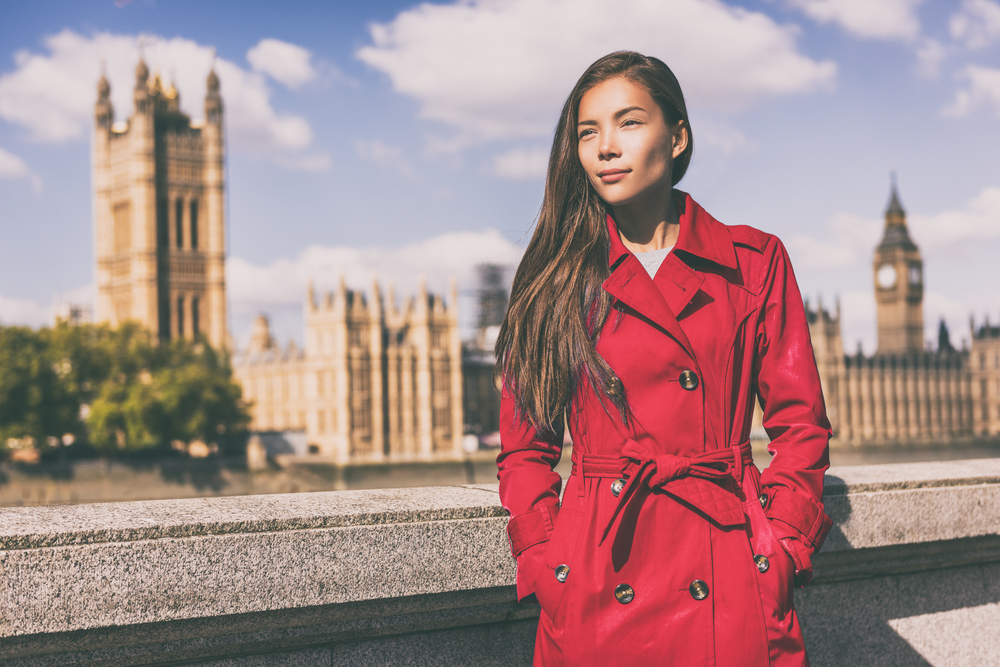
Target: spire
140,94
141,74
213,100
260,338
896,235
103,87
156,85
104,113
895,209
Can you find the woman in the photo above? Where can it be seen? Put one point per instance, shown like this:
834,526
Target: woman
649,328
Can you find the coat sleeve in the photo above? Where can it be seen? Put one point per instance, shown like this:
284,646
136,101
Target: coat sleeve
794,417
529,491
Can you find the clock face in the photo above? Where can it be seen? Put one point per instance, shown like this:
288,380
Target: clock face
914,274
886,276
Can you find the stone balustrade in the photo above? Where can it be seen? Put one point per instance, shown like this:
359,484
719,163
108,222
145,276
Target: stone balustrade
910,575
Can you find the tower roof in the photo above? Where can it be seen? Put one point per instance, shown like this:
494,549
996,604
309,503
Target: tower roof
896,234
141,73
103,87
895,208
213,81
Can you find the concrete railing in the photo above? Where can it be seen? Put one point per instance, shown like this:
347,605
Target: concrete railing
910,575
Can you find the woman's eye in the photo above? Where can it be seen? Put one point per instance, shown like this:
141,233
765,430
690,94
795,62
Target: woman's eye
584,133
630,121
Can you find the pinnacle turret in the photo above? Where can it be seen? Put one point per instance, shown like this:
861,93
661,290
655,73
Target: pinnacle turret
213,100
141,74
104,113
103,88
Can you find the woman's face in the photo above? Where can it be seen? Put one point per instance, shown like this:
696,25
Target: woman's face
624,143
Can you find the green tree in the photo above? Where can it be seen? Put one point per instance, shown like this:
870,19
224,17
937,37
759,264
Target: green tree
134,394
34,400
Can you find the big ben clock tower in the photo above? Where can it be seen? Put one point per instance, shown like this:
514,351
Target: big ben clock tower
899,285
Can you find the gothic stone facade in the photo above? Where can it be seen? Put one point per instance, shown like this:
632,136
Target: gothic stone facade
374,383
159,213
905,394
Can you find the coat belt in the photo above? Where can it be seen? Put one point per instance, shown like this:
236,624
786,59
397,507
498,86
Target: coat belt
700,480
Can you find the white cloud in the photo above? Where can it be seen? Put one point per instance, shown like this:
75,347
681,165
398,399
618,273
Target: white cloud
978,220
285,63
309,162
521,164
858,321
13,167
870,19
280,287
53,94
983,89
501,68
390,158
977,24
930,55
849,240
22,312
719,134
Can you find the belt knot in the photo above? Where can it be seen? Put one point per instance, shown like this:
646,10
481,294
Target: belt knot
644,466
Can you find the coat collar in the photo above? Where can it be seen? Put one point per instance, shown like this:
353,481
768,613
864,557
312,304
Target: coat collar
700,235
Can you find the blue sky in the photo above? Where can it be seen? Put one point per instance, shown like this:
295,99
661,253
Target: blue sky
404,138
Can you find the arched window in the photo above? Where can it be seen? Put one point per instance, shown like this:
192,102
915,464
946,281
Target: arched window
180,316
122,214
195,315
162,224
164,316
194,224
179,221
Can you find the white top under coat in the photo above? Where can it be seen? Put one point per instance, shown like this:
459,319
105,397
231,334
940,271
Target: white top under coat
652,259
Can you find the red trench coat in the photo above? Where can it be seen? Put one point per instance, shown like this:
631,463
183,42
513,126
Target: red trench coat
670,547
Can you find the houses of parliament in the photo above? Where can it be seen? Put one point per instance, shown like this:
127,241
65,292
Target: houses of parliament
378,381
906,393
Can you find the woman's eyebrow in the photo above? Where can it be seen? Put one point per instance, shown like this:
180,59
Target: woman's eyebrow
622,112
618,115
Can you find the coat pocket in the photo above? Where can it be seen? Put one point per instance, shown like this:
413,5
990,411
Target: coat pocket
774,566
554,579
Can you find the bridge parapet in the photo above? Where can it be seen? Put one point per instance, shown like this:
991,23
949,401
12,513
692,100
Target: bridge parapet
910,575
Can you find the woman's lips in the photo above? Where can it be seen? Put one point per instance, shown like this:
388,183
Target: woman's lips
612,175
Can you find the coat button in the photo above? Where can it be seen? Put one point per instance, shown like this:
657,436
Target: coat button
763,500
561,573
617,486
762,562
698,589
624,593
688,380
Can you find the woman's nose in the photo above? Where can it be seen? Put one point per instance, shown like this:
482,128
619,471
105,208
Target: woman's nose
609,147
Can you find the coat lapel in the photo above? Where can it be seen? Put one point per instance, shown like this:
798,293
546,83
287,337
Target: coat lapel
630,284
662,299
678,283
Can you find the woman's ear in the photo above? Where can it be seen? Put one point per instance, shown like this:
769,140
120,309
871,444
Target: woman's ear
680,139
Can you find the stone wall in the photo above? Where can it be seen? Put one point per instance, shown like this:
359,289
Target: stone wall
910,576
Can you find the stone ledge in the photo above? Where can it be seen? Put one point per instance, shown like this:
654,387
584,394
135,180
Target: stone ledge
62,589
852,564
59,525
185,581
899,476
283,630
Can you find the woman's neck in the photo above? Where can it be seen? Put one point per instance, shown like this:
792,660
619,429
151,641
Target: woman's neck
648,225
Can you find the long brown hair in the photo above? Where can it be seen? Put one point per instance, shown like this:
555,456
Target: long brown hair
558,306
